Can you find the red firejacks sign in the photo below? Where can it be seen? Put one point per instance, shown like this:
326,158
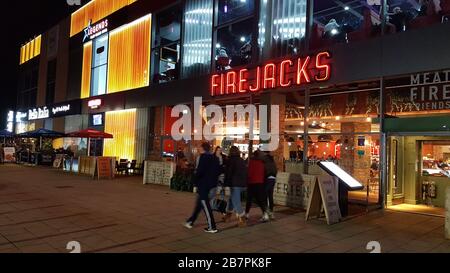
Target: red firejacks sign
287,73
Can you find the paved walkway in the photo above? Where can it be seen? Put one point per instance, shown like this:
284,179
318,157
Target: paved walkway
41,210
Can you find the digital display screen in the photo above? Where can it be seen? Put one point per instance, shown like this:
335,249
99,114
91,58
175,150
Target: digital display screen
337,171
97,120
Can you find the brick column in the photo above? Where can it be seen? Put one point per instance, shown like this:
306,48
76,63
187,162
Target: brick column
355,159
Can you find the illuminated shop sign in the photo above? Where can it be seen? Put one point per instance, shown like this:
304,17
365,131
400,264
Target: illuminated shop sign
420,92
21,116
61,109
287,73
93,31
38,113
10,121
95,104
52,111
97,120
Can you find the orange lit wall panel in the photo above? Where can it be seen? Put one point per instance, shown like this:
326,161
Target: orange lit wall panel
37,45
94,11
86,71
30,50
129,56
22,54
122,125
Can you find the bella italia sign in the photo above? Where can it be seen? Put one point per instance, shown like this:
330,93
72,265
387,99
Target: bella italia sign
53,111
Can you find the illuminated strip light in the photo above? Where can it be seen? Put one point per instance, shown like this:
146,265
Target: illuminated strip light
86,71
129,56
30,50
122,125
301,71
290,20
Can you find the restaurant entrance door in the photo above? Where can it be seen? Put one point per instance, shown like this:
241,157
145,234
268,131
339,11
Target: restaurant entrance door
396,167
419,172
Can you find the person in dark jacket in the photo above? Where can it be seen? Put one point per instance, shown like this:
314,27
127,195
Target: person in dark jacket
255,187
205,179
270,173
236,179
219,190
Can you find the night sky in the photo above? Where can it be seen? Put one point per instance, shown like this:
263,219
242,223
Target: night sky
21,20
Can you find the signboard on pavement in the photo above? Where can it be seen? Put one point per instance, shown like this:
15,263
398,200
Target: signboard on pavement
325,196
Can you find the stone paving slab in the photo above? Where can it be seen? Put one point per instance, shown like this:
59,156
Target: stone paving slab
42,209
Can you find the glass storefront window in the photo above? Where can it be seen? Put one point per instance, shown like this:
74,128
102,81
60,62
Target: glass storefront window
436,158
343,128
282,26
234,45
198,23
357,153
230,10
166,45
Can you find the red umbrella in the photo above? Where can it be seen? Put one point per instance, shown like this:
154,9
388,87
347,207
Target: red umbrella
90,133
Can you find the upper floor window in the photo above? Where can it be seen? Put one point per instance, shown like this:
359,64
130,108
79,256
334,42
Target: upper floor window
282,27
197,35
51,82
235,24
230,10
99,65
403,15
166,45
343,21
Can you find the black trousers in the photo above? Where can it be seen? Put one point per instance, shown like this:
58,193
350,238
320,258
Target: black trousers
258,192
270,186
203,203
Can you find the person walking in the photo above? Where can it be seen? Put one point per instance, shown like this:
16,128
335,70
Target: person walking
255,187
236,179
218,192
205,179
270,171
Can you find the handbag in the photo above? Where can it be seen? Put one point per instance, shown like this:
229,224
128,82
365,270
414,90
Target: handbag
220,205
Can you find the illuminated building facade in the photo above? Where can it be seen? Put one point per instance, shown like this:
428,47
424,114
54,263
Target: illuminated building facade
368,91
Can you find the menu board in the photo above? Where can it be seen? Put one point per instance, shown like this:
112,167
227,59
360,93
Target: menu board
329,187
159,173
10,154
58,161
325,196
104,168
87,165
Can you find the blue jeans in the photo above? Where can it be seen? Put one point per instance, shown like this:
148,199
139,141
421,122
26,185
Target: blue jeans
235,202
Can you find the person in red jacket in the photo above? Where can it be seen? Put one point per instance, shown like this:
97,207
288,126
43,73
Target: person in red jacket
256,189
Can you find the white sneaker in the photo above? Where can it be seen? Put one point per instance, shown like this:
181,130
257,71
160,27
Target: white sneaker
271,215
208,230
265,218
188,225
